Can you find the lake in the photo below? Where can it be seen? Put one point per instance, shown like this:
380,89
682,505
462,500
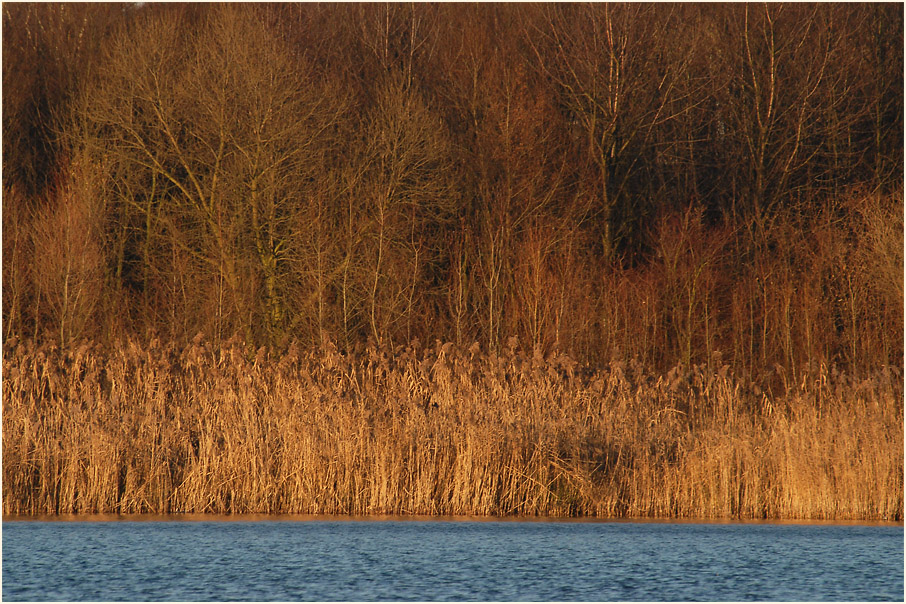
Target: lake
365,560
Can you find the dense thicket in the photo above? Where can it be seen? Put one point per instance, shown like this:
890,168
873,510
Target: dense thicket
675,184
436,430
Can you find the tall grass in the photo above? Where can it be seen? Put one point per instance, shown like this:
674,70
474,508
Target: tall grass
437,430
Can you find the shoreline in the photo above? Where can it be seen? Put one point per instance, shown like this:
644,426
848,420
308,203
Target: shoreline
297,518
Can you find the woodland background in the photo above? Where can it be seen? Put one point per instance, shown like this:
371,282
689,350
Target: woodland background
716,184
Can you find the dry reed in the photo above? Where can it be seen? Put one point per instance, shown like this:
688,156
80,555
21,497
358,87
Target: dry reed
437,431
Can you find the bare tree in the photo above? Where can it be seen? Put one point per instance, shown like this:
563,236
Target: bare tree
222,129
69,257
409,192
615,88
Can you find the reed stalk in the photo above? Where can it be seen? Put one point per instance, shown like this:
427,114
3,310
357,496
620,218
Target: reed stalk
437,431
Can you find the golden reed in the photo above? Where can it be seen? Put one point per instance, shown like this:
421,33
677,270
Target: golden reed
437,431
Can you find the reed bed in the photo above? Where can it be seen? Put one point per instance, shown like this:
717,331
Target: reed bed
437,430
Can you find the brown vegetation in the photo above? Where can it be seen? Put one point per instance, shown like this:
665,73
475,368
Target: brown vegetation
465,173
437,431
717,187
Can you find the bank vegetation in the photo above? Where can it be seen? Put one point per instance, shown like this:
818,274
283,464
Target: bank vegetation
438,430
663,246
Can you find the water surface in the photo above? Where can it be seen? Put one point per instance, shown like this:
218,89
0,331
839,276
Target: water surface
448,560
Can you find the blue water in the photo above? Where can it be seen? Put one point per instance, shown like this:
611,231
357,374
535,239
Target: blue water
446,560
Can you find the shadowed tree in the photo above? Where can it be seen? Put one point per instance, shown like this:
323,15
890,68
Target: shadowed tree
616,87
210,135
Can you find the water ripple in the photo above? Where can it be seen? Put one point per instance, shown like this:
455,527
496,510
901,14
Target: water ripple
448,561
